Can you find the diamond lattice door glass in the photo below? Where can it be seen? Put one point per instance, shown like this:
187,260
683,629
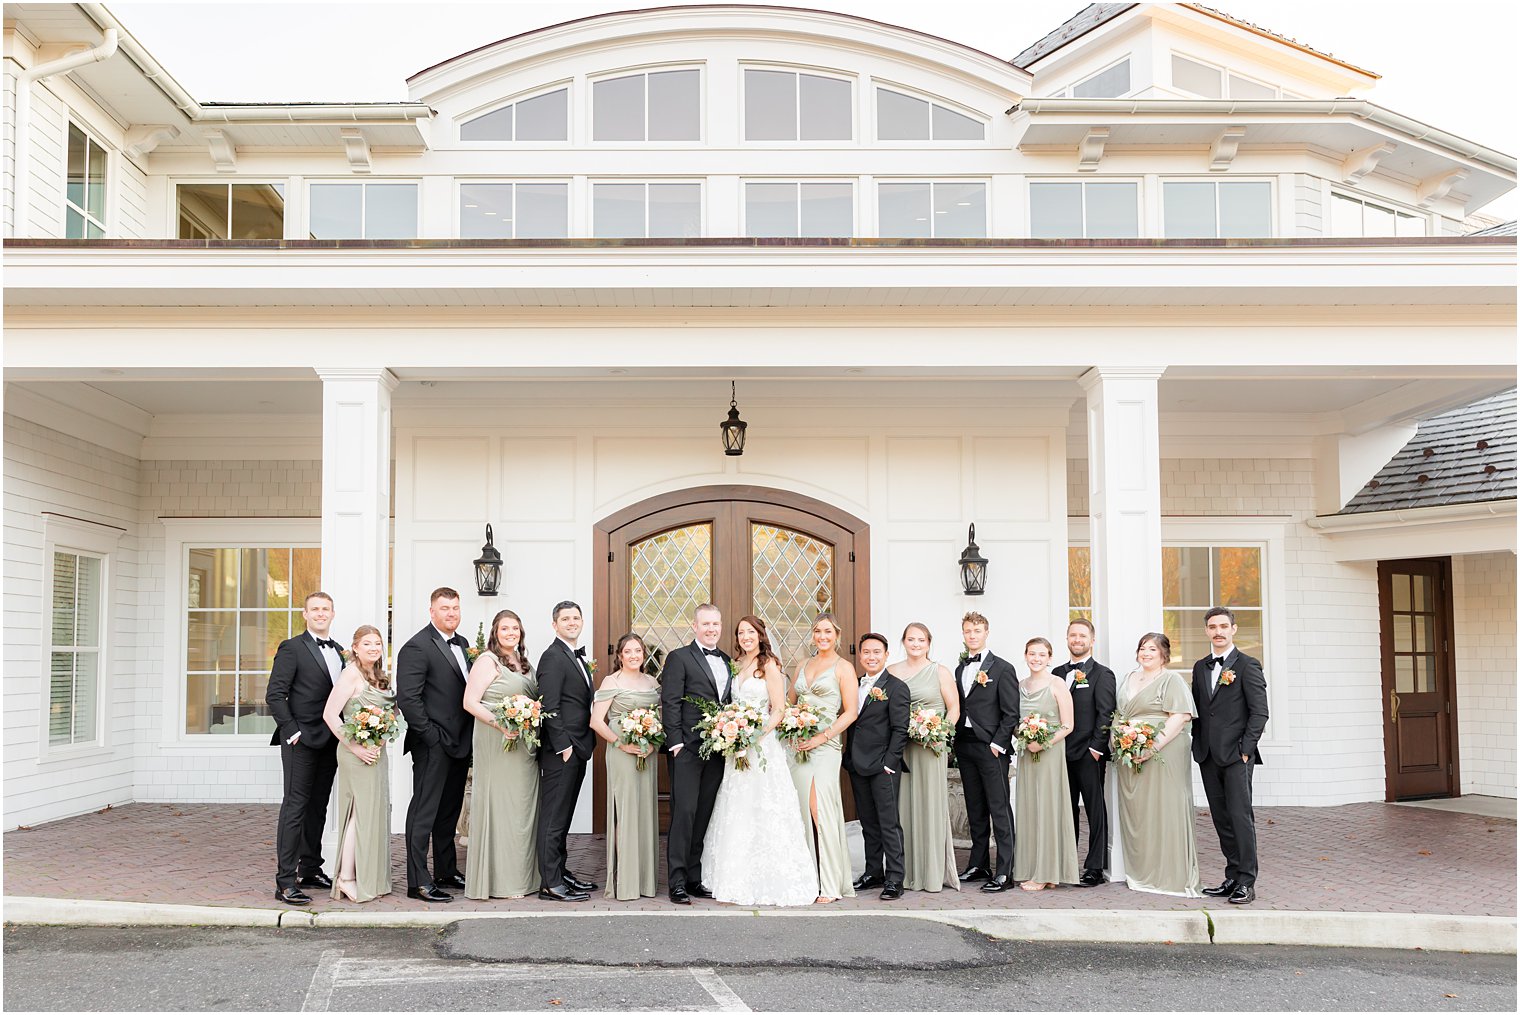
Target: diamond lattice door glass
791,582
670,575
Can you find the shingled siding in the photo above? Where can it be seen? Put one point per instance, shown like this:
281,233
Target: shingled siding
1484,610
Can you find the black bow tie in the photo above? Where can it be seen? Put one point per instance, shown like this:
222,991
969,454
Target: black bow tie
580,653
458,639
1216,660
717,653
974,659
328,643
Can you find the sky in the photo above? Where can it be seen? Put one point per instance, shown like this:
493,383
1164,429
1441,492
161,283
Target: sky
1452,69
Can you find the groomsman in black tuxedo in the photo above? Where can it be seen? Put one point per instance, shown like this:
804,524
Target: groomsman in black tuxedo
565,683
1231,694
300,681
874,758
989,693
698,670
1093,698
431,670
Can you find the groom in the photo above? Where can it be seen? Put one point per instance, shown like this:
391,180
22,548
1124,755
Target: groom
699,670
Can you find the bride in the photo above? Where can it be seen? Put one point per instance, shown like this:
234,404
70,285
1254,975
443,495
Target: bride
756,852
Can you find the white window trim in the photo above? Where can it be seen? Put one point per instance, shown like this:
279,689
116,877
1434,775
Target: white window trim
592,182
852,80
853,182
1272,202
291,185
1381,202
65,534
933,100
568,84
1275,89
181,535
1138,181
107,176
1224,76
985,181
364,185
699,66
1071,90
460,181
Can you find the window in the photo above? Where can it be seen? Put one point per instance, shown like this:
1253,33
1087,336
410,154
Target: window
1078,583
951,208
1210,209
85,202
368,211
240,603
231,211
786,106
1083,209
902,117
513,210
542,118
1351,216
799,209
1200,79
1106,84
646,209
660,106
1245,88
74,662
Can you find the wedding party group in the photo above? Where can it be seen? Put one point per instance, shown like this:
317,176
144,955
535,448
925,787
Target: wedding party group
755,757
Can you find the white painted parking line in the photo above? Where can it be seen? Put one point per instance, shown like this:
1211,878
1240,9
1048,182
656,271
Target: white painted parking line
720,992
319,994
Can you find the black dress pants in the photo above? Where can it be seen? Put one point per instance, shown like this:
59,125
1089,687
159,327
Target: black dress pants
437,798
985,780
308,778
1085,777
559,786
880,823
1228,788
693,791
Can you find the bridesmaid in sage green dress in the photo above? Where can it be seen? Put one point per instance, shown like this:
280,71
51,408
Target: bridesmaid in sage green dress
502,862
1045,846
1156,803
923,796
833,686
633,827
364,793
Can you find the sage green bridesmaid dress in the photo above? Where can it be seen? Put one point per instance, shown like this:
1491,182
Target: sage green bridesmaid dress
1044,843
1156,803
364,796
502,861
923,800
633,826
819,776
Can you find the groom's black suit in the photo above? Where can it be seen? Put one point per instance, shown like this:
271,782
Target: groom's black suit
1092,709
430,690
992,711
299,685
564,683
693,782
874,757
1231,718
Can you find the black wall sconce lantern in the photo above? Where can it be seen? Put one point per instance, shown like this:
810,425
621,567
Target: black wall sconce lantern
973,566
488,568
733,427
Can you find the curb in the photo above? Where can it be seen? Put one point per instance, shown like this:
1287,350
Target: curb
1495,935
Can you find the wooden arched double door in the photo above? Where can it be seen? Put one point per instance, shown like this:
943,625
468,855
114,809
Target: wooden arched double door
780,556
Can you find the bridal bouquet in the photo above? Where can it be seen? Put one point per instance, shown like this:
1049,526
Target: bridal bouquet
729,730
522,717
1035,728
1132,739
371,726
798,723
641,728
927,728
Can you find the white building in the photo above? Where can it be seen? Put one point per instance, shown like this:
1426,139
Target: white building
1149,305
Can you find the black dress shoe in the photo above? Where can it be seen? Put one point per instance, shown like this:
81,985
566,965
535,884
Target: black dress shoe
317,880
1226,887
975,874
579,884
679,897
293,897
1000,883
562,893
1243,895
700,890
891,890
429,893
870,881
1091,879
455,881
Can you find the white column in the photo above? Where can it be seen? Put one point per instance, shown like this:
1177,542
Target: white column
1124,505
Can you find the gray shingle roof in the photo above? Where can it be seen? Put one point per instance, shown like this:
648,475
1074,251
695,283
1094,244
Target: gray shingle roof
1502,229
1465,456
1081,23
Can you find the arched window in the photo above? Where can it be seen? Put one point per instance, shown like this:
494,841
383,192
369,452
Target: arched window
901,117
540,118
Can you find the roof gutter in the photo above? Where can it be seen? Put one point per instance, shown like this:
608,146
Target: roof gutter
1360,109
306,113
140,56
1360,521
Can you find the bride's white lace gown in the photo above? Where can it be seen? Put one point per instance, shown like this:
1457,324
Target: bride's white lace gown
755,853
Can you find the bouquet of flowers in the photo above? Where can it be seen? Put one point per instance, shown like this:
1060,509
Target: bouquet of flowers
1035,728
1132,739
729,730
928,728
522,717
798,723
641,728
372,726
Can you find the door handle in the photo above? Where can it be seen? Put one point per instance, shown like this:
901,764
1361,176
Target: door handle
1393,705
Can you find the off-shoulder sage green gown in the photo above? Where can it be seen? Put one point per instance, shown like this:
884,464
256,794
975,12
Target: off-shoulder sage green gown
364,796
819,777
502,861
923,800
1156,803
1044,845
633,826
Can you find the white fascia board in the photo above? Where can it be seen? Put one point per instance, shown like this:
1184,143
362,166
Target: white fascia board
1485,527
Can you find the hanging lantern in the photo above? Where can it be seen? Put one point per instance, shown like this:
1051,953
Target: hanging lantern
733,427
973,566
488,568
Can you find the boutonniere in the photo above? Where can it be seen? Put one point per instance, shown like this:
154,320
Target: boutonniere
733,669
1081,677
471,654
1227,678
963,657
474,652
877,694
591,667
981,678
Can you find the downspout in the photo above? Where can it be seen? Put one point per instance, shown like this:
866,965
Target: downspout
22,186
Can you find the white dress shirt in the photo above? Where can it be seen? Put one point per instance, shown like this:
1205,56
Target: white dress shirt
464,664
719,669
1071,674
330,655
866,683
580,660
1218,666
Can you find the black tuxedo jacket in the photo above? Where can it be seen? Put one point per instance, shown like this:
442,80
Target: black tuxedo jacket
993,709
299,685
566,691
1092,709
1231,722
430,691
879,735
686,673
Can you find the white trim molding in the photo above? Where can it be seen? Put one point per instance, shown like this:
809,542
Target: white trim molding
1439,531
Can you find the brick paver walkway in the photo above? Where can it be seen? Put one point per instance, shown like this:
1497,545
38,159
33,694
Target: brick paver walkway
1361,857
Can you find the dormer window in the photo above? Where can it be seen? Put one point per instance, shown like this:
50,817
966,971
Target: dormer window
1213,82
1109,83
540,118
781,105
902,117
659,106
1351,216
